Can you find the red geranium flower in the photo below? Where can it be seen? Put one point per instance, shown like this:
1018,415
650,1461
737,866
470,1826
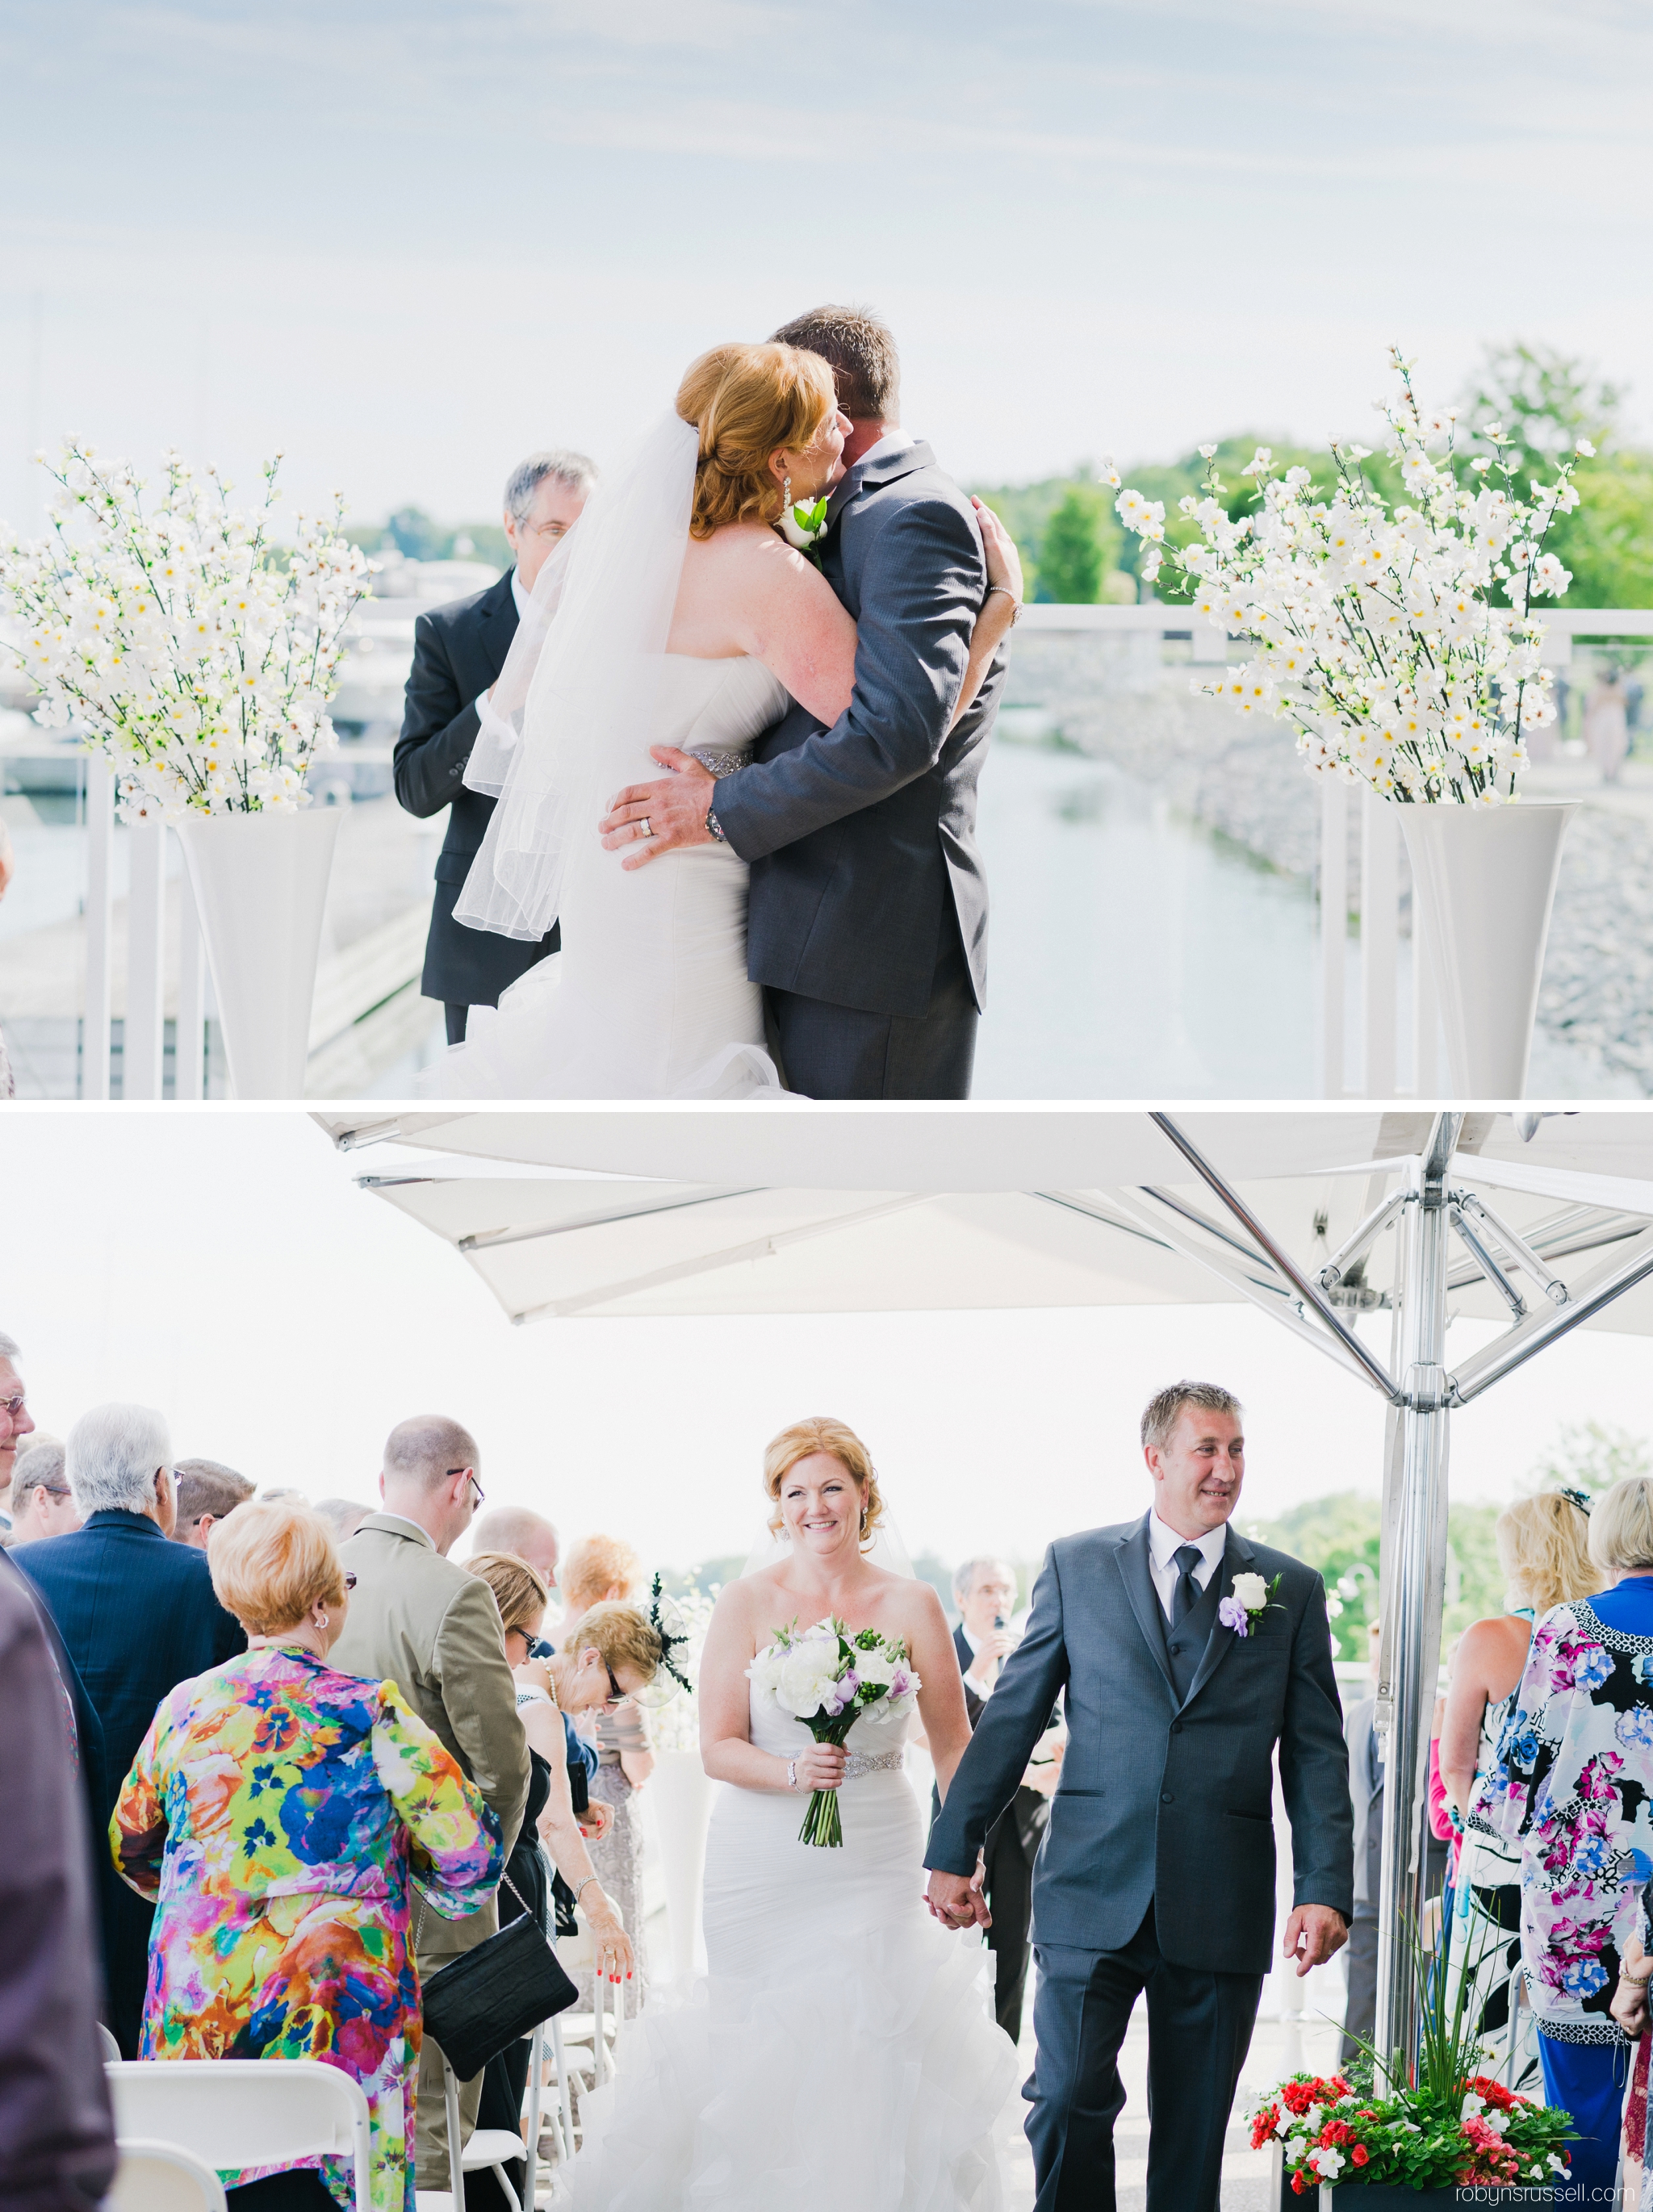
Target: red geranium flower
1359,2154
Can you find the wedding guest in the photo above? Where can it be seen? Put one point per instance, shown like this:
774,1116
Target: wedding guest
543,1685
344,1515
207,1493
14,1421
138,1616
1567,1789
42,1503
1543,1550
459,651
422,1621
530,1536
605,1570
286,1815
57,2133
984,1590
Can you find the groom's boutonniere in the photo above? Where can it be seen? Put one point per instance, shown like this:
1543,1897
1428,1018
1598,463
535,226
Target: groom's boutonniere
804,527
1247,1602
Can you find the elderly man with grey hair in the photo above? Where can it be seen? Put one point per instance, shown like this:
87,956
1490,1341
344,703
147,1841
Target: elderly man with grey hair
433,1629
138,1616
42,1503
459,651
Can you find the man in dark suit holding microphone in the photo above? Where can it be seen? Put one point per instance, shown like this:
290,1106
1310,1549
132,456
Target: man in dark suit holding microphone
459,651
1185,1654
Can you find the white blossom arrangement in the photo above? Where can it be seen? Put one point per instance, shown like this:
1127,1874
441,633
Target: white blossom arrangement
1374,630
674,1710
179,638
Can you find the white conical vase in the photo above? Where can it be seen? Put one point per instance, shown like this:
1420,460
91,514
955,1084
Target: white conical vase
683,1811
1484,879
260,884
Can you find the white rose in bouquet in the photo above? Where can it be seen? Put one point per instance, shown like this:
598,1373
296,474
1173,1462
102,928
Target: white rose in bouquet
1252,1592
807,1673
876,1668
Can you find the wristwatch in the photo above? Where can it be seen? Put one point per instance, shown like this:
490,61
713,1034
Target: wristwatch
714,826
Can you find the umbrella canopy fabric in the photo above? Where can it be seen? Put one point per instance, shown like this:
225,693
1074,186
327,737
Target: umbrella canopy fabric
627,1213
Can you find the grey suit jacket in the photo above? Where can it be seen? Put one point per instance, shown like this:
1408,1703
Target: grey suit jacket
424,1624
1367,1802
861,836
1164,1802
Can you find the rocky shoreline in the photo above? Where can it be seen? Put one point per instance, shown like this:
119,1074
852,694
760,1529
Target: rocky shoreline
1244,780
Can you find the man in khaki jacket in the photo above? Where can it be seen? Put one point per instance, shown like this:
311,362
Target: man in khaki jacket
419,1621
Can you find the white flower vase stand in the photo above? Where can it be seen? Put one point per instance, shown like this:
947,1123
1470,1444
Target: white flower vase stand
1485,880
260,883
683,1811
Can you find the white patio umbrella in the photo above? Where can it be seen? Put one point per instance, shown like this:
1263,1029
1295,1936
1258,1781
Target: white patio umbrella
1316,1217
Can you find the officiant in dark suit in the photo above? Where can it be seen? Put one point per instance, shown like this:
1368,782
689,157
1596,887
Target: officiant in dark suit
459,651
1185,1655
984,1590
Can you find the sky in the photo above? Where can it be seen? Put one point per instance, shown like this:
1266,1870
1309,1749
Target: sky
223,1265
404,241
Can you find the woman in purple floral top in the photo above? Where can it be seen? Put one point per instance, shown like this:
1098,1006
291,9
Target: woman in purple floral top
1573,1785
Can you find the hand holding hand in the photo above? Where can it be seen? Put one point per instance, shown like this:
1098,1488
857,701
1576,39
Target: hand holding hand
822,1766
1312,1933
596,1821
956,1901
1003,562
649,818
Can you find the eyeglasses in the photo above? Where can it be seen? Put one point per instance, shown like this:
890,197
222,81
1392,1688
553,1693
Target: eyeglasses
480,1493
349,1580
12,1406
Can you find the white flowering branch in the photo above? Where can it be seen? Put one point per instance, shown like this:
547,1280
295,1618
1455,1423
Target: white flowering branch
1375,632
179,640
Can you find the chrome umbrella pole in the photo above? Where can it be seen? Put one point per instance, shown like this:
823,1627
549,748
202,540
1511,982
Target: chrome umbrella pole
1409,1654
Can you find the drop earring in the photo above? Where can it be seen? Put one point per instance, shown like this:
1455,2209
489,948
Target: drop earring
785,493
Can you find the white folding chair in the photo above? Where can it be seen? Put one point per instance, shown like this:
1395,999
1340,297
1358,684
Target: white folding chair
107,2047
237,2112
162,2177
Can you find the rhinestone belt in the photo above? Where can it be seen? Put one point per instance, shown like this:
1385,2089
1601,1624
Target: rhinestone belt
721,765
874,1762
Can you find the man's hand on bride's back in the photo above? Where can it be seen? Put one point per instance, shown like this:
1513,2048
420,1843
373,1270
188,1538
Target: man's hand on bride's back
649,818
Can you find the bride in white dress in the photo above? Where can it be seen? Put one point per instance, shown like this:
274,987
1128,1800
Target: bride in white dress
674,619
843,2056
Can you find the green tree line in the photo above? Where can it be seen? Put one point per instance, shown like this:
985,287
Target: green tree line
1075,552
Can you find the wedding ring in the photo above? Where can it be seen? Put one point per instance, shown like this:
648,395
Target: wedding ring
643,829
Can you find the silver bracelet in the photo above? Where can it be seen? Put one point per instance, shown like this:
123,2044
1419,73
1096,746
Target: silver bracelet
581,1888
792,1774
1015,603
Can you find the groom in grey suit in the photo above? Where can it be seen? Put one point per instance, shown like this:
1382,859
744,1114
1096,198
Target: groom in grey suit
1157,1872
868,924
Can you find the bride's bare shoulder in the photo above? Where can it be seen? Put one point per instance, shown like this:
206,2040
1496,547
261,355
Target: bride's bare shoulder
747,549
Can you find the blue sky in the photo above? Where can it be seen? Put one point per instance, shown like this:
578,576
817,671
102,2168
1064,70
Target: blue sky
406,241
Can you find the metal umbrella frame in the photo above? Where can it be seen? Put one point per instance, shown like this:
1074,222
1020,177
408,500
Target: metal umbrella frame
1446,1237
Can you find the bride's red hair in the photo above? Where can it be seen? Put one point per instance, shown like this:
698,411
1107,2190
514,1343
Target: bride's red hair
747,402
823,1434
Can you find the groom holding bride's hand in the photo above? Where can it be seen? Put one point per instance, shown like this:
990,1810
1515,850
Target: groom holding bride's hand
868,921
1186,1653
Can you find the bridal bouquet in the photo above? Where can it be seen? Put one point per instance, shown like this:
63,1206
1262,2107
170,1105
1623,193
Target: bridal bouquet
194,652
827,1678
1373,628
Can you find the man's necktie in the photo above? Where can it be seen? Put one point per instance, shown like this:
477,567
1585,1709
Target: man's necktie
1186,1595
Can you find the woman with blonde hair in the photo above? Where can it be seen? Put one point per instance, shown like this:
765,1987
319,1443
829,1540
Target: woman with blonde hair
284,1816
1569,1790
605,1570
1543,1549
823,1966
673,628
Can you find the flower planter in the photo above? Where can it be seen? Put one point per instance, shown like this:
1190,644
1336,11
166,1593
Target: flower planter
1484,881
260,884
1392,2197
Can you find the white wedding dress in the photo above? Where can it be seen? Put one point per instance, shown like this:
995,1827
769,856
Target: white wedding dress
648,998
841,2055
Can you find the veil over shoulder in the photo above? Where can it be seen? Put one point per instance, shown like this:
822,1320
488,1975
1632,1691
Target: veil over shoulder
586,672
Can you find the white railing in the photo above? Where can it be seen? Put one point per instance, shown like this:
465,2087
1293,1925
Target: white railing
1378,1033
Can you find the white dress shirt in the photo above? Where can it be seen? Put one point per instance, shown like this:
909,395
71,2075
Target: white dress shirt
1164,1543
983,1690
524,601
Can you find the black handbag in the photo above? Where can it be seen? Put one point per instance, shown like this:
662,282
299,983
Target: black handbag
483,2000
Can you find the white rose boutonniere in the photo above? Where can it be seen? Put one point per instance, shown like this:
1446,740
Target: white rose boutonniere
805,525
1248,1599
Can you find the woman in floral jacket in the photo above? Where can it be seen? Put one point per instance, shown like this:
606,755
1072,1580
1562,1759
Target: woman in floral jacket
280,1813
1573,1785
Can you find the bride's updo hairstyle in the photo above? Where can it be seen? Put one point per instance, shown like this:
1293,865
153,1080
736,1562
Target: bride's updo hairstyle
747,402
804,1438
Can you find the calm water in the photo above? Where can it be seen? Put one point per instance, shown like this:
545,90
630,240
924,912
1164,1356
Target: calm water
1134,954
